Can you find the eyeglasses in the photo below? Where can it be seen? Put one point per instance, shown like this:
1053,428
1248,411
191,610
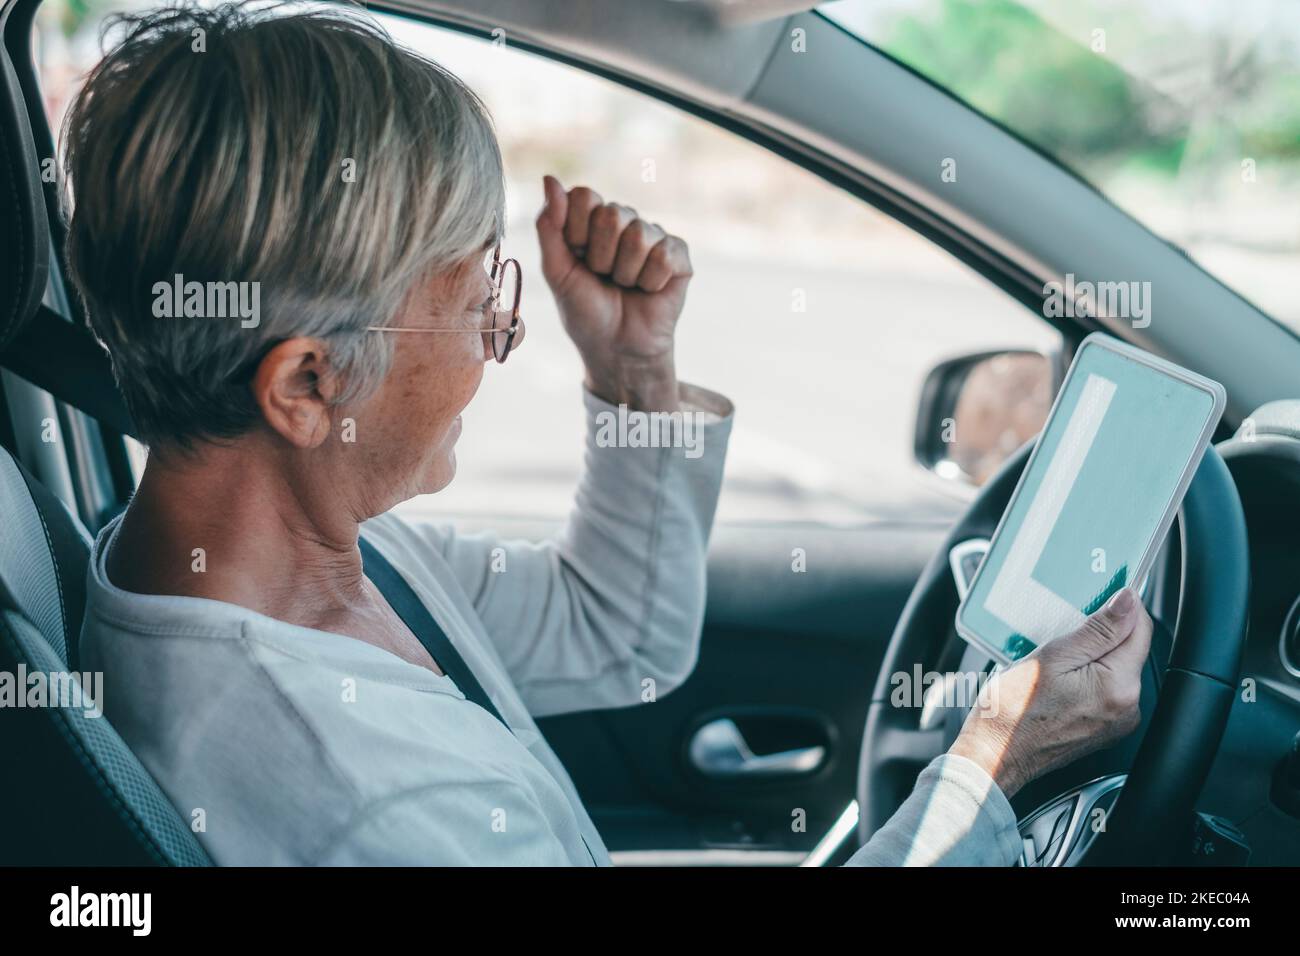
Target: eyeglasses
507,288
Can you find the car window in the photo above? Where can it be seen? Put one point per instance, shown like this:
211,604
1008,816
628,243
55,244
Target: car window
817,315
1186,115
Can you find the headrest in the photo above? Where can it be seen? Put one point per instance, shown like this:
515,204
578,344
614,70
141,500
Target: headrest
24,229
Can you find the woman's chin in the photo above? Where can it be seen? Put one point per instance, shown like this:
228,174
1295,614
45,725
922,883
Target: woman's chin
440,473
441,467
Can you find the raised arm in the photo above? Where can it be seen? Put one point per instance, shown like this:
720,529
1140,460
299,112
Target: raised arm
609,614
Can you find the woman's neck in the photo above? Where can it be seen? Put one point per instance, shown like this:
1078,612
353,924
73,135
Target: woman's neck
229,524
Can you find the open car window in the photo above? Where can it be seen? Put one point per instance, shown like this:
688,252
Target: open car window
817,315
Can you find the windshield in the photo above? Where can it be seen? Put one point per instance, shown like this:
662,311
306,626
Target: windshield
1186,115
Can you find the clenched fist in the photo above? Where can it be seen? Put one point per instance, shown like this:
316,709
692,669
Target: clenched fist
620,283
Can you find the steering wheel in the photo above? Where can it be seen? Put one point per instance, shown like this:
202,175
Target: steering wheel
1148,813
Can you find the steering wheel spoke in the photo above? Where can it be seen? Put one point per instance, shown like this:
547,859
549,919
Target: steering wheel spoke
911,745
1060,832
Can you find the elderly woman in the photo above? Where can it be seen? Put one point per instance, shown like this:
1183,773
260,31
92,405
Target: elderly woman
310,678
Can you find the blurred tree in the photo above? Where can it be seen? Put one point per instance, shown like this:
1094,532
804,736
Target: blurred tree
1051,89
72,16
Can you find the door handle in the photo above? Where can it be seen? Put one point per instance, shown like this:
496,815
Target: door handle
718,750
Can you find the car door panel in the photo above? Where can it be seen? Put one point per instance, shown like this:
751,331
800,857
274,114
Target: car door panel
788,656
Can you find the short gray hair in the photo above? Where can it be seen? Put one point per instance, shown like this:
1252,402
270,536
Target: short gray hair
214,143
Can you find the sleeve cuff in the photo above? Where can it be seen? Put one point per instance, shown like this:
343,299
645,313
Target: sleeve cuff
969,775
711,406
956,815
965,775
700,428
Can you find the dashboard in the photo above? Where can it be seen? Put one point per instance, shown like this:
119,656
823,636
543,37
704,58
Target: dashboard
1266,713
1268,480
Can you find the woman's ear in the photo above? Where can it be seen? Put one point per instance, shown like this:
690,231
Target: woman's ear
294,387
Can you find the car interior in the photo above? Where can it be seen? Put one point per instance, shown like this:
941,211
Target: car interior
788,706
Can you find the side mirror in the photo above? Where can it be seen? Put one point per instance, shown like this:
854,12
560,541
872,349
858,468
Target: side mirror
977,409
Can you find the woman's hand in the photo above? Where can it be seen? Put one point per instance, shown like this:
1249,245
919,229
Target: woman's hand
620,284
1070,697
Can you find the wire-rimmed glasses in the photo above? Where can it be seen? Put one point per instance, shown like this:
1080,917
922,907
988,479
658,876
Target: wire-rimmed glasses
507,281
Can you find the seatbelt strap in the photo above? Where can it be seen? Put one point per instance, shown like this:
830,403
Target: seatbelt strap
416,616
64,358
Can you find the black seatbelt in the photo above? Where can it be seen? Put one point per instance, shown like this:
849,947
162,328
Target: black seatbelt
64,358
417,617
